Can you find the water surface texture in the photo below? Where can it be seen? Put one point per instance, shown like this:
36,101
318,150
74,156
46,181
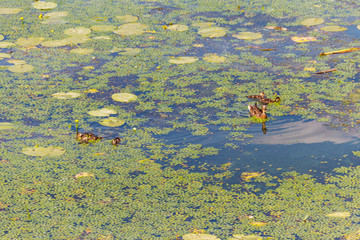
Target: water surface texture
129,119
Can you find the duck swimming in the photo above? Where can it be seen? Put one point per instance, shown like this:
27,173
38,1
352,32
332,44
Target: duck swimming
257,112
260,96
268,100
87,137
116,141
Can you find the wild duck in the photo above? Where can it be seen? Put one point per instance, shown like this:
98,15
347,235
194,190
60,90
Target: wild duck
260,96
257,112
87,137
268,100
116,141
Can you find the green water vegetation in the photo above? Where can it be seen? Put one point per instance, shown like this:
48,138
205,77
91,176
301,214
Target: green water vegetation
160,68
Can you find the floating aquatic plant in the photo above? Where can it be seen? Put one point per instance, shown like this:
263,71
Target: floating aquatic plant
124,97
43,151
103,112
43,5
112,122
66,95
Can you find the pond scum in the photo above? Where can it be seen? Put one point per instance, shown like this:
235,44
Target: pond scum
143,69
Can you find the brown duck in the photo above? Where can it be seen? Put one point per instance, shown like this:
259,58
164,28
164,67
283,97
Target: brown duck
87,137
268,100
257,112
260,96
116,141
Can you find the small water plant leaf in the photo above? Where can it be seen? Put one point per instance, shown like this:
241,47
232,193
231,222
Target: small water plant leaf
246,176
245,237
248,35
258,224
6,125
66,41
214,58
183,60
178,27
43,151
84,174
203,24
103,112
126,51
212,32
6,44
333,29
21,68
66,95
5,11
339,214
55,14
1,37
16,61
4,55
124,97
130,29
356,153
127,18
312,21
112,122
43,5
78,31
341,51
199,236
102,28
303,39
29,42
84,51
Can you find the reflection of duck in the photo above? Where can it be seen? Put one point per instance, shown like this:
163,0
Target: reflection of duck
87,137
257,112
116,141
268,100
264,129
260,96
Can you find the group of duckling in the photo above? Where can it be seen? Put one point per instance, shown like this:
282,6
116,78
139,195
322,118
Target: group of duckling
257,112
90,137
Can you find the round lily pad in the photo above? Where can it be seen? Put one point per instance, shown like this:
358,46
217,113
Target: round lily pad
42,5
43,151
103,28
6,125
112,122
203,24
183,60
303,39
214,58
82,31
58,20
66,95
16,61
212,32
333,29
312,21
65,41
245,237
103,112
124,97
339,214
55,14
127,18
199,236
248,35
129,51
21,68
4,11
131,29
83,51
6,44
178,27
28,42
84,174
4,55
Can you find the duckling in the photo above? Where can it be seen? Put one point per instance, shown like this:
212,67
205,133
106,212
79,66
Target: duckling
116,141
260,96
268,100
87,137
257,112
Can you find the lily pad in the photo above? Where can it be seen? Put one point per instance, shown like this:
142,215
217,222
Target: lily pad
127,18
21,68
6,125
83,51
312,21
6,44
130,29
213,58
303,39
339,214
55,14
5,11
112,122
16,61
65,41
78,31
245,237
127,51
42,5
178,27
333,29
84,174
43,151
103,112
248,35
212,32
199,236
103,28
246,176
124,97
183,60
29,42
4,55
66,95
